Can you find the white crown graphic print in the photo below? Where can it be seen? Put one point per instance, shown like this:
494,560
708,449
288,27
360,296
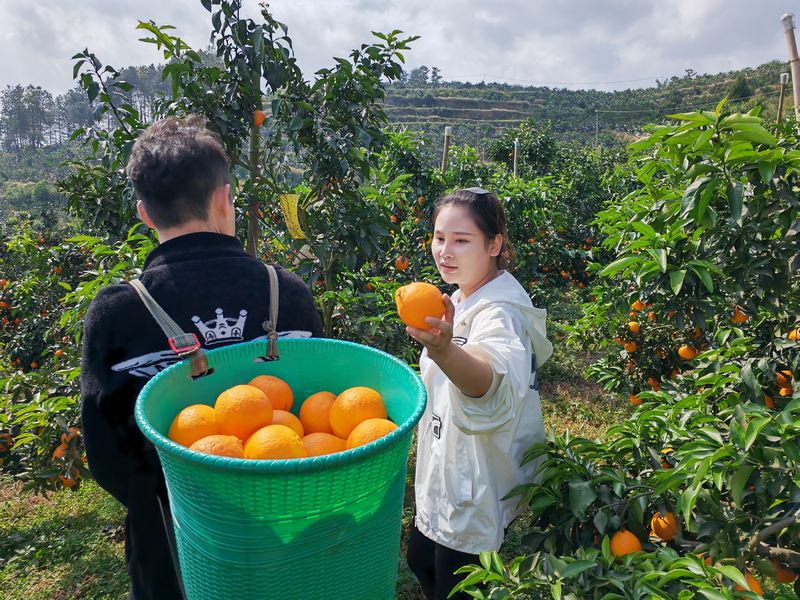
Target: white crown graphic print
222,328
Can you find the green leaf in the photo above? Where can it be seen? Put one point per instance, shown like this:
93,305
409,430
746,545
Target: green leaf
676,280
705,277
752,132
618,265
577,567
738,481
581,496
660,255
754,427
735,193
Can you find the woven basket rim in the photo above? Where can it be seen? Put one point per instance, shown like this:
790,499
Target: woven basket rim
297,465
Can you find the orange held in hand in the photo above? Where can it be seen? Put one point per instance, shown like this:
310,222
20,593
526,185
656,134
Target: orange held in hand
241,410
192,423
278,392
220,445
353,406
369,431
418,300
274,442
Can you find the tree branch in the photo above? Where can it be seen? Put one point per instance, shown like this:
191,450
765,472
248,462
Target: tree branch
791,519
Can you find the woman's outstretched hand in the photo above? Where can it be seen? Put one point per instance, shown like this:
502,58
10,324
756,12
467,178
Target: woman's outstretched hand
438,338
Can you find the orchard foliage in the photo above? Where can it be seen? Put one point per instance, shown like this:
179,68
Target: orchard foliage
702,297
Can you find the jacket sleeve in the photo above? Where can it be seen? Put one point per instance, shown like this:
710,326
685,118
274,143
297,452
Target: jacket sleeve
106,408
495,335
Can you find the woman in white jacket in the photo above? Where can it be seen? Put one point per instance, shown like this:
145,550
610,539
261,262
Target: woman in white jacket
479,366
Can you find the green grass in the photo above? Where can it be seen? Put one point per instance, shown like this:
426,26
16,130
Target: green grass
70,544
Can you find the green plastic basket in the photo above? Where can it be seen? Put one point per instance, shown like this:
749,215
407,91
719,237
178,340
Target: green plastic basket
313,528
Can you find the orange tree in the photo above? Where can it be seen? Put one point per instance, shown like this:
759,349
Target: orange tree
697,494
336,141
50,273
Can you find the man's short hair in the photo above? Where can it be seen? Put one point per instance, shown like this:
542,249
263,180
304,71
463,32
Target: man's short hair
175,165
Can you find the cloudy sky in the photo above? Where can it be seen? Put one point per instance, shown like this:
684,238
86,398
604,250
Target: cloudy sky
601,44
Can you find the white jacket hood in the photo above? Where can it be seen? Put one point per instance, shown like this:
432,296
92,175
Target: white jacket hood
506,289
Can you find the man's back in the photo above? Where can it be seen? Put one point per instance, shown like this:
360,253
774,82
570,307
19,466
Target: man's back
209,286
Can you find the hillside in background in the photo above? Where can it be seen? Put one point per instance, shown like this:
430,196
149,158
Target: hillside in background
35,126
484,109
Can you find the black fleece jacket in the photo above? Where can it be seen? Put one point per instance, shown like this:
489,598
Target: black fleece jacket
209,286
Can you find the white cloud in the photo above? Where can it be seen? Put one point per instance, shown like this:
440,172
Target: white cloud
605,44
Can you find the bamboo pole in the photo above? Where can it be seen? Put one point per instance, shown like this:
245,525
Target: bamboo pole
446,153
784,81
794,61
516,155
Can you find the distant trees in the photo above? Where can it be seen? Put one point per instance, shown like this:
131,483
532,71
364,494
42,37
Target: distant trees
32,118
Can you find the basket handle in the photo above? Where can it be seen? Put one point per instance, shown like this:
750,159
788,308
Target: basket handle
185,345
271,324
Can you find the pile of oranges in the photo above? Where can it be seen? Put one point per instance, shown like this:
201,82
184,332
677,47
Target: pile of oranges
255,421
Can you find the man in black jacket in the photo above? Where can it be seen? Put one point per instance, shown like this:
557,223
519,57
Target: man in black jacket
201,276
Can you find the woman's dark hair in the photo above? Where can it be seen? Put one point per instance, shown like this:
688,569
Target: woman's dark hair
488,214
175,165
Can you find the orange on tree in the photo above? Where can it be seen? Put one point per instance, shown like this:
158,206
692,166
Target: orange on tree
630,346
192,423
624,542
315,413
284,417
664,527
258,117
769,402
70,480
67,437
353,406
58,353
57,270
369,431
783,378
653,383
652,316
219,445
6,441
785,392
633,327
419,300
274,442
3,282
752,584
687,352
241,410
638,305
278,392
320,443
739,316
401,263
4,304
665,464
794,334
60,452
635,400
782,573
